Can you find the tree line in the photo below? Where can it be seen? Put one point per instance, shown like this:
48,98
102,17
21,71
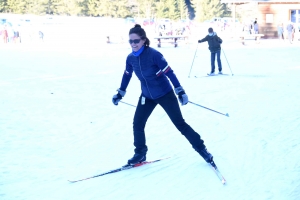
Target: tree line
199,10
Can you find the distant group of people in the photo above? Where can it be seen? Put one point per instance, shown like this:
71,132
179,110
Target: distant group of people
291,30
12,35
9,35
251,28
165,29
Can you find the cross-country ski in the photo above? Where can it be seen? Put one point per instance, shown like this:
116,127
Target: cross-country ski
125,167
210,75
217,74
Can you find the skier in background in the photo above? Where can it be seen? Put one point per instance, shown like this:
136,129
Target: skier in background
155,75
214,45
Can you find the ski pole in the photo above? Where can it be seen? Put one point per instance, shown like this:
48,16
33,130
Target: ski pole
227,62
209,109
128,104
193,60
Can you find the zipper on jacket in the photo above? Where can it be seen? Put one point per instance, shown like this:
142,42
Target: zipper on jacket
144,77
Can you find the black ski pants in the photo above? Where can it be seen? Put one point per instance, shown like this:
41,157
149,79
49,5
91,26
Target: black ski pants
170,104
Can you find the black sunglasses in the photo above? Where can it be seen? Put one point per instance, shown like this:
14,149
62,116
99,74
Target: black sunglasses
136,41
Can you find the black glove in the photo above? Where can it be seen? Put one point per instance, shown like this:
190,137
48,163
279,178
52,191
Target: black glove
117,97
182,97
199,41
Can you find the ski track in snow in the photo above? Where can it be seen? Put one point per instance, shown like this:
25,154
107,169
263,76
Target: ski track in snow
57,123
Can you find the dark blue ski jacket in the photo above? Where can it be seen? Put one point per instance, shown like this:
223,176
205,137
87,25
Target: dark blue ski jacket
152,70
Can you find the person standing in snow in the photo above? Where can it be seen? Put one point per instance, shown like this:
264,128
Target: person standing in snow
290,29
214,45
255,27
280,31
5,34
155,76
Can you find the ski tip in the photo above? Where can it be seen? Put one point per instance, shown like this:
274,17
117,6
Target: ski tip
164,158
71,181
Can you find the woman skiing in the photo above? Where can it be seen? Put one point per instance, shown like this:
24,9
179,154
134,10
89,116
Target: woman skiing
154,74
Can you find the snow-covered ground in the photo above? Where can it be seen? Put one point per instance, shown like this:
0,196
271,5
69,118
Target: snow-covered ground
58,123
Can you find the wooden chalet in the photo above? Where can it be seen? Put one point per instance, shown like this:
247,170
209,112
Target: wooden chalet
271,13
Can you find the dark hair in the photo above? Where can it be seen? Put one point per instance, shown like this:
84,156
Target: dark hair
210,30
137,29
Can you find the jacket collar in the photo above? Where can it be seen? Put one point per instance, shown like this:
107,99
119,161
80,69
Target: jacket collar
212,34
137,53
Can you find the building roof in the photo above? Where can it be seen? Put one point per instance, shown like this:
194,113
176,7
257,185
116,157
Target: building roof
260,1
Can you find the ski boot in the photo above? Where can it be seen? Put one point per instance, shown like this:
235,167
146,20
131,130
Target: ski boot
207,157
137,158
